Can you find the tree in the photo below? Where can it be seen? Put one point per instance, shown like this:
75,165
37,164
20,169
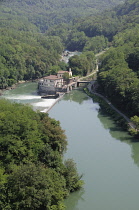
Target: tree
66,76
83,64
76,40
73,181
96,44
34,187
3,183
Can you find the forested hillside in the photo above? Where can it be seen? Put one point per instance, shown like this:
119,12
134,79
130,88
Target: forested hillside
25,53
46,13
94,32
119,70
26,56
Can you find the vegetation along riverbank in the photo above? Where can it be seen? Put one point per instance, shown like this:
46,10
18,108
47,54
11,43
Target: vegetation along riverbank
105,106
121,119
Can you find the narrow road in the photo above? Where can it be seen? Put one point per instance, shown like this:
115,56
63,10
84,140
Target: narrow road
130,123
91,74
95,70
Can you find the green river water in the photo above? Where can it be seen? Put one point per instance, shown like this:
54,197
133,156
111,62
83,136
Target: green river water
105,155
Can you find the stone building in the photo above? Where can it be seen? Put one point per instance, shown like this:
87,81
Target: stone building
52,84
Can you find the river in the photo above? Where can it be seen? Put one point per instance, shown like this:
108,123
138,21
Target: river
105,155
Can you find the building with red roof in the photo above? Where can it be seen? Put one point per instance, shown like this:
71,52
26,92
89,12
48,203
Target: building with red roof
52,84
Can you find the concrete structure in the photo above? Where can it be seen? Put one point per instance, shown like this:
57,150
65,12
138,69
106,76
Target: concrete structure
82,82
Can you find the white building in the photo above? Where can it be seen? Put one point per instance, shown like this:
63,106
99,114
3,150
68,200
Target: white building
53,83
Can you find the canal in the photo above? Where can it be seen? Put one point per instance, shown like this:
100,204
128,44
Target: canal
105,155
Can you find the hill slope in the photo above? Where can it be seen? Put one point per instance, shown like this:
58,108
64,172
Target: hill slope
45,13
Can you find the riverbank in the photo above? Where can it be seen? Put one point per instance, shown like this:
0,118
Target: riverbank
128,124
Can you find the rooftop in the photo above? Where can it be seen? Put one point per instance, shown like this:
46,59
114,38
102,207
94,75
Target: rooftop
52,77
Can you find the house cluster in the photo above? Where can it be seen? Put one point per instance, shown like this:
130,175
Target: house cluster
53,84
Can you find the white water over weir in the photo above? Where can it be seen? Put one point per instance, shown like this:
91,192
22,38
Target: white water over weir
26,93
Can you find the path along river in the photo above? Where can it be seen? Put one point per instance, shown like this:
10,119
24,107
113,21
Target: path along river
105,154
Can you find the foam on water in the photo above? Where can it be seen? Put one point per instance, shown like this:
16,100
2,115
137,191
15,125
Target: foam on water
23,97
44,103
31,98
45,110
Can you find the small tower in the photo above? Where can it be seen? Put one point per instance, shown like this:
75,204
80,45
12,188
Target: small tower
70,72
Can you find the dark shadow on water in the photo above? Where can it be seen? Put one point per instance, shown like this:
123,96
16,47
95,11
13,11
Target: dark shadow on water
115,130
135,153
118,133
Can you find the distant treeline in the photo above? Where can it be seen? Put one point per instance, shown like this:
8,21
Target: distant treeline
46,13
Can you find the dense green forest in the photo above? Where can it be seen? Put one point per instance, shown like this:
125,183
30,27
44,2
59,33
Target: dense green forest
96,33
45,13
32,172
25,56
82,64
